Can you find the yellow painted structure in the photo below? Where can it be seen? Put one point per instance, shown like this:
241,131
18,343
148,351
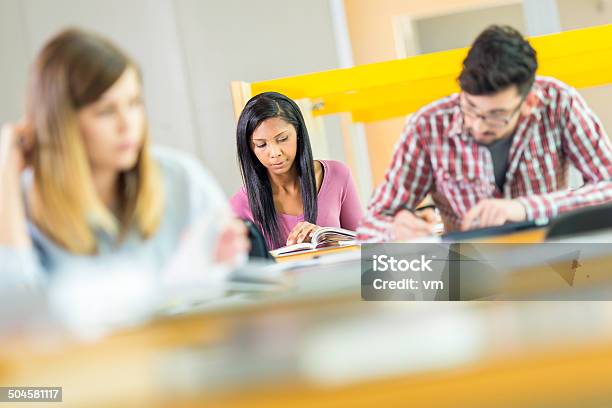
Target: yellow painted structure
581,58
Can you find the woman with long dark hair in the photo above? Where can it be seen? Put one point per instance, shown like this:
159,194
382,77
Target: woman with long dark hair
286,193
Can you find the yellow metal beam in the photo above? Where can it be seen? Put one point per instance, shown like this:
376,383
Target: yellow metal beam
581,58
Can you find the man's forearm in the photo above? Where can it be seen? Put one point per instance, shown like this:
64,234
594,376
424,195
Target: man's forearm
552,204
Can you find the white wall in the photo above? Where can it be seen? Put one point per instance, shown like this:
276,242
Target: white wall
250,41
189,51
575,14
13,60
459,29
146,29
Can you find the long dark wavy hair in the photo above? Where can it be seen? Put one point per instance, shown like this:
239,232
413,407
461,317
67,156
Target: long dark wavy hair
255,176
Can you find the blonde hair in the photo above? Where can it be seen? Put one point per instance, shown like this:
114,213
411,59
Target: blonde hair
73,70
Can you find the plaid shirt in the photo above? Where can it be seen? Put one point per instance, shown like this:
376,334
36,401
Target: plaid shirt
436,155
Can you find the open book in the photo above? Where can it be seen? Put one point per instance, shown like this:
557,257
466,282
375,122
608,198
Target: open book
322,238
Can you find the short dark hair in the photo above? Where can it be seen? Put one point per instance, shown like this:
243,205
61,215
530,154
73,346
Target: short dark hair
255,176
499,57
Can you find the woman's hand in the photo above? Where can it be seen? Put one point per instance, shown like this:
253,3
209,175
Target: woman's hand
302,232
15,143
232,243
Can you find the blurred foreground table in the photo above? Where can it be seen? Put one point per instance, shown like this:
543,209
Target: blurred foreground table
315,343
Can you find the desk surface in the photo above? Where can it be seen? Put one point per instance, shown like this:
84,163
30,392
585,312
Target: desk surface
527,236
317,253
317,342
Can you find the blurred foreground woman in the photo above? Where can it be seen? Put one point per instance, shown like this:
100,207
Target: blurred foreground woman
79,182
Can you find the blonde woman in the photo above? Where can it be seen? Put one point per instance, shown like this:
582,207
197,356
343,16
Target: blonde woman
79,181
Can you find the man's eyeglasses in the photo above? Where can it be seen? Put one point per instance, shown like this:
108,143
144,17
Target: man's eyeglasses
494,121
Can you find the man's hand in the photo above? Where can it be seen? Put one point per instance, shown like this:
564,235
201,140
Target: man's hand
493,212
406,225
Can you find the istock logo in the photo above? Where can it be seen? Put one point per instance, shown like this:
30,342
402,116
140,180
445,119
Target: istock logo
384,263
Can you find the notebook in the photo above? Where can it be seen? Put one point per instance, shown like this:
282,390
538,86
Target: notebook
323,238
458,236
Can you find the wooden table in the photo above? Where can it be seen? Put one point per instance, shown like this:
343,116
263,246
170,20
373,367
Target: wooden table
528,354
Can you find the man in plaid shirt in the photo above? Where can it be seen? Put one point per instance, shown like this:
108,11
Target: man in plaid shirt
496,152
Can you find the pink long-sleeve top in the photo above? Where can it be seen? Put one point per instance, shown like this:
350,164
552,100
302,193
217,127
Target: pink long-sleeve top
338,203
